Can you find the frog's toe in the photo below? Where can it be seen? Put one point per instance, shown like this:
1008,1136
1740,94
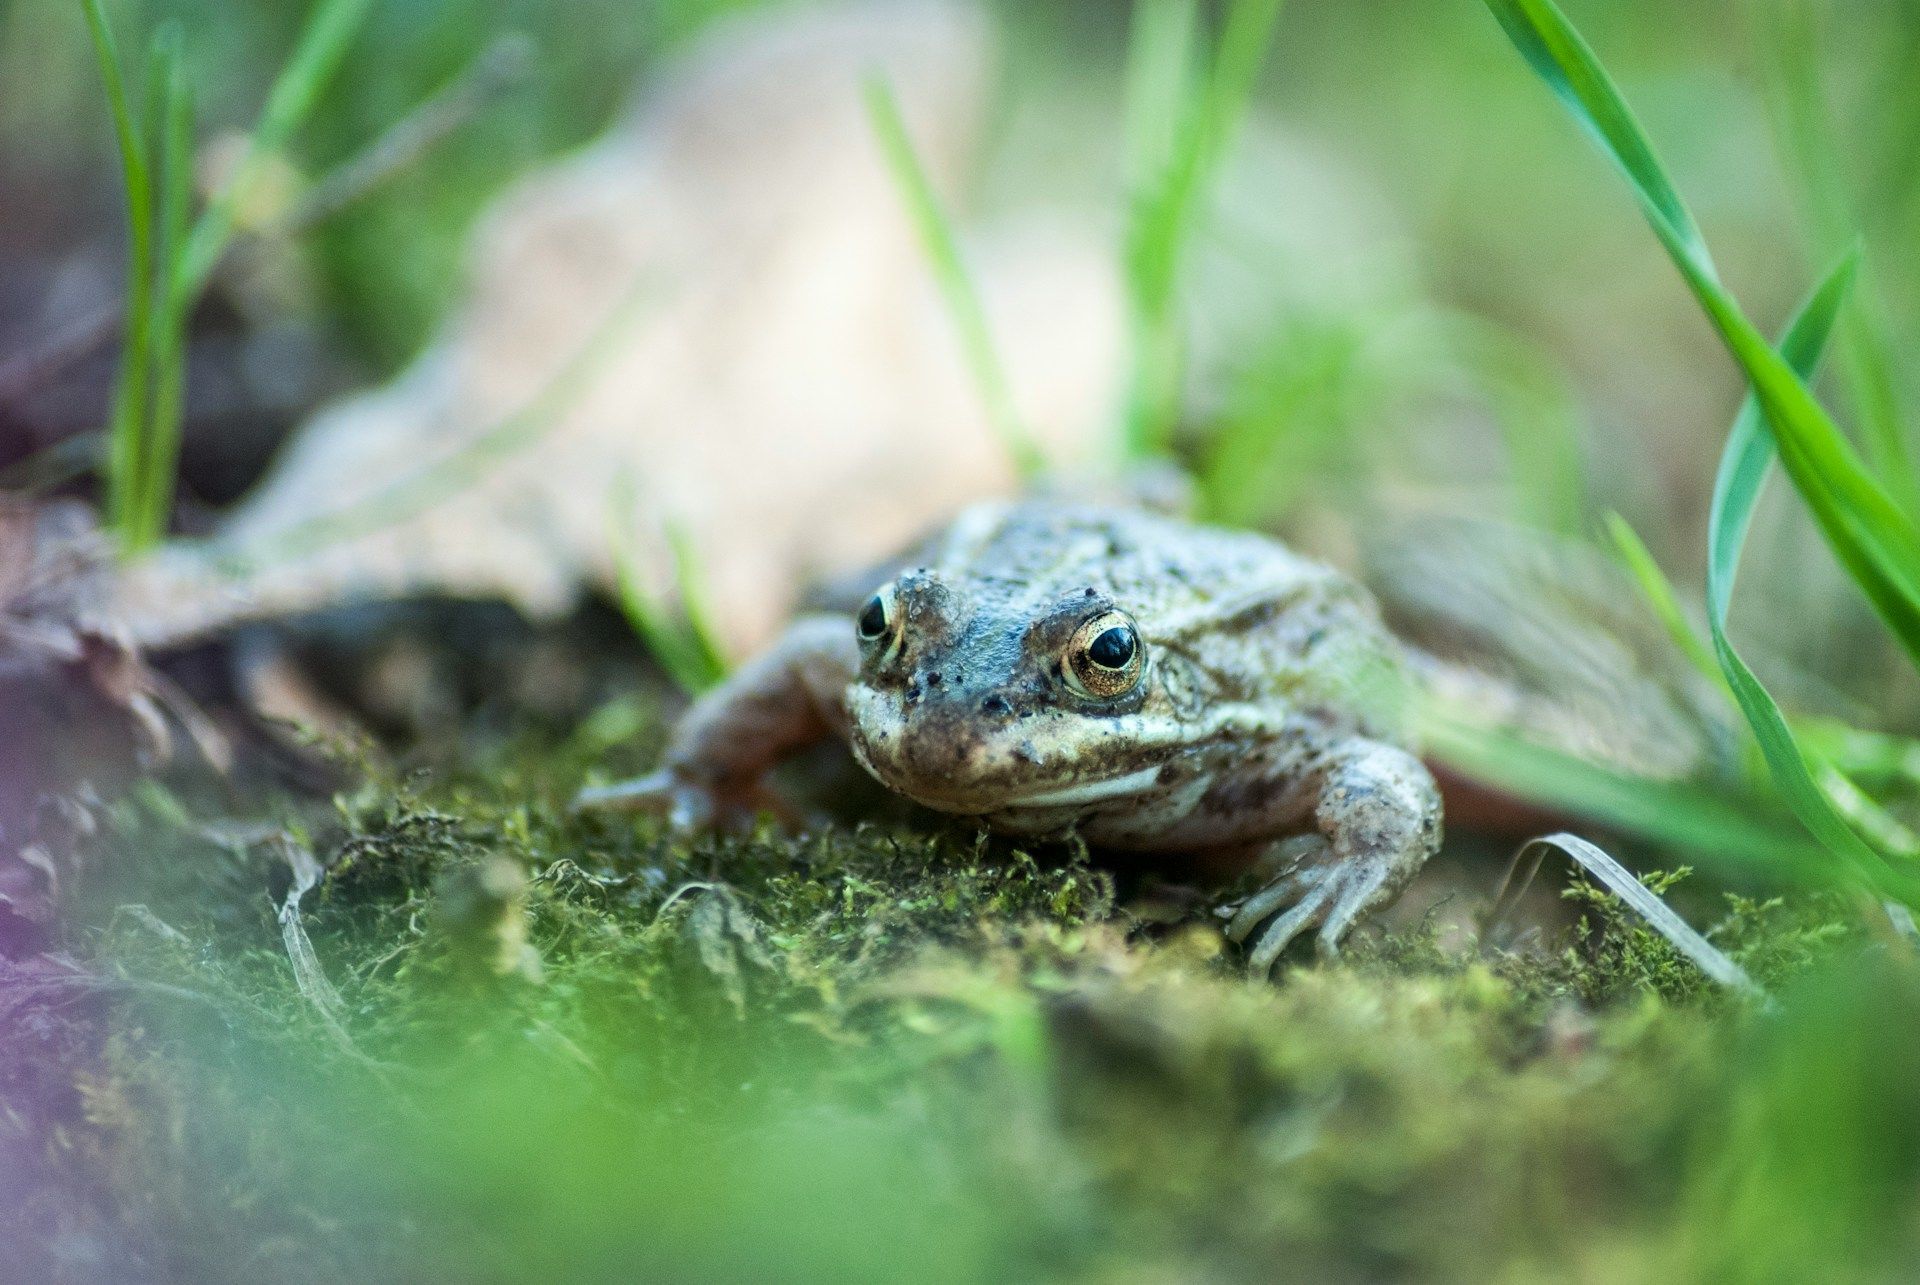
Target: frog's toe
684,804
1310,908
1361,889
1331,897
1300,861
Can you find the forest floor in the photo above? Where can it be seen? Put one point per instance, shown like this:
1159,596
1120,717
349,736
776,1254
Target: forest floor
495,1040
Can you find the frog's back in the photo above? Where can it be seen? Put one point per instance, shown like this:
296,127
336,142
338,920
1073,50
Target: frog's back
1161,568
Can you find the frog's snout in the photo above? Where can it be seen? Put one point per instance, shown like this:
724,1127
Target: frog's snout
942,747
949,736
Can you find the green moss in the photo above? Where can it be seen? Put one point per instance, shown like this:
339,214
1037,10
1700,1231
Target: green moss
580,1045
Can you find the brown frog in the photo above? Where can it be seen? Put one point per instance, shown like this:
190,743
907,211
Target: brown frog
1152,684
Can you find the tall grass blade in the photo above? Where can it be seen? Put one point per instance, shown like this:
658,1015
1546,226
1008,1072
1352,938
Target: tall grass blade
128,418
1660,596
1805,140
1159,76
1679,814
1868,531
1744,465
956,285
172,117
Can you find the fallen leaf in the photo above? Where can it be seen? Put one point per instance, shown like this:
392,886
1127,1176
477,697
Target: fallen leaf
719,308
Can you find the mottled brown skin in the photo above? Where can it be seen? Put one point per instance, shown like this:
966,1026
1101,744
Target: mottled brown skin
1261,705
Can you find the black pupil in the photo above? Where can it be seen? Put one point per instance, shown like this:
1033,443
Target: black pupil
1112,649
873,618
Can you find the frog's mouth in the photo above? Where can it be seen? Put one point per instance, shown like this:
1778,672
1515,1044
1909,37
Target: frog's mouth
986,799
1076,793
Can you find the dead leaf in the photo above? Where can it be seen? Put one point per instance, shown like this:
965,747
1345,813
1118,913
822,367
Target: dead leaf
720,301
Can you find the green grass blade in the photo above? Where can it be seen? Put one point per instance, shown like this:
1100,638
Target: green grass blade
173,118
1744,466
1668,812
690,584
956,285
127,424
684,649
1159,79
1171,167
1660,596
1236,69
323,42
1163,106
1560,57
1869,533
1805,141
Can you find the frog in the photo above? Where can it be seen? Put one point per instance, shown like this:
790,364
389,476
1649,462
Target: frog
1050,668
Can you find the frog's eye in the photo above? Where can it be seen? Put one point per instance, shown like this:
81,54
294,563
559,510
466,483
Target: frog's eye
1106,657
875,620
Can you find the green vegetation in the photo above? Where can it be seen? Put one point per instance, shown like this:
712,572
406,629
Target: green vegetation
571,1047
496,1040
1181,115
950,270
1867,530
682,641
169,261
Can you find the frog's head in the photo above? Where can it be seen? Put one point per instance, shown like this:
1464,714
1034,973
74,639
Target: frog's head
972,700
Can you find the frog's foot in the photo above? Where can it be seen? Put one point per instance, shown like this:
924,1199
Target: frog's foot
1316,888
686,802
1377,820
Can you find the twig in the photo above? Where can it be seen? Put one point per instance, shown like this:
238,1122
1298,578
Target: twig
500,67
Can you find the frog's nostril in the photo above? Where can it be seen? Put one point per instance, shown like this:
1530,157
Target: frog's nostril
998,706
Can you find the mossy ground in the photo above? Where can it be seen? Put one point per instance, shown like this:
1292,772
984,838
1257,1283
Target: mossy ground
579,1048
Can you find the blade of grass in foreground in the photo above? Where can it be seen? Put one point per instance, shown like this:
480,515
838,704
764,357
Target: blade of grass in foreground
1660,597
1642,900
1744,465
1870,534
943,253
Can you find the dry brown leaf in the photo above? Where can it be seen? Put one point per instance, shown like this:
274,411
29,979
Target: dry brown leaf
718,311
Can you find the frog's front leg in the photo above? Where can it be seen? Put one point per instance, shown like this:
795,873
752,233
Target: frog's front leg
783,700
1376,819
